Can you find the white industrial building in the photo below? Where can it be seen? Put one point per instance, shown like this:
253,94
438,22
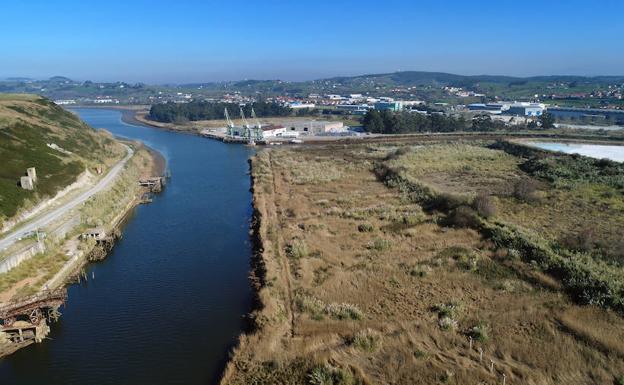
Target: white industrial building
510,108
296,128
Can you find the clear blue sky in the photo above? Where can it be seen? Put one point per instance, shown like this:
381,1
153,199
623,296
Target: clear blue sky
182,41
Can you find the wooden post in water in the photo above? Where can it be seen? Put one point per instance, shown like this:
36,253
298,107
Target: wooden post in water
480,354
491,366
470,339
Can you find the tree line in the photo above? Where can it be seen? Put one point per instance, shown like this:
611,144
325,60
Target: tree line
388,122
200,110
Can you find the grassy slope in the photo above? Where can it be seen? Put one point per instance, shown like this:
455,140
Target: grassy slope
27,124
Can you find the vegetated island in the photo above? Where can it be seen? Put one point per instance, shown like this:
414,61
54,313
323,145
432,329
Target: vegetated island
434,260
65,188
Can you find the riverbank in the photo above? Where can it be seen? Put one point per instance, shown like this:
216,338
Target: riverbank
64,259
139,117
372,266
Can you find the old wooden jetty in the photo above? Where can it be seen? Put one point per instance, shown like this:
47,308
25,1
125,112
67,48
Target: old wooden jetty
154,184
104,242
26,320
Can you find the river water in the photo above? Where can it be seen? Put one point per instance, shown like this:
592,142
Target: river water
597,151
168,302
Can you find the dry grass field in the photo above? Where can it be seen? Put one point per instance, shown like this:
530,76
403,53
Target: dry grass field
360,282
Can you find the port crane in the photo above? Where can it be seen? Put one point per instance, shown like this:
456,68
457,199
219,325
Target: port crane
258,126
248,133
230,124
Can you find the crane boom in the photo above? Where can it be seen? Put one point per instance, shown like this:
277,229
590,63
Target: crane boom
255,118
245,123
230,124
227,118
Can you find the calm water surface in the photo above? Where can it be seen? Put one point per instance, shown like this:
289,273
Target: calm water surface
169,301
592,150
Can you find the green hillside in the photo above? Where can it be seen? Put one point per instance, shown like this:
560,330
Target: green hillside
28,124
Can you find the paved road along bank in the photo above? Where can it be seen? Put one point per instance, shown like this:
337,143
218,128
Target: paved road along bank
58,212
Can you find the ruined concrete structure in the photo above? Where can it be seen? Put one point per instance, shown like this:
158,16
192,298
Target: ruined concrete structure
32,173
26,183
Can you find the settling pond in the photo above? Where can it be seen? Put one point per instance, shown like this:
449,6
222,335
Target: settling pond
597,151
169,301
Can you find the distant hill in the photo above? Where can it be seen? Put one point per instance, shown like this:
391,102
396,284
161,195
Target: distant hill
422,77
412,84
60,79
381,83
28,124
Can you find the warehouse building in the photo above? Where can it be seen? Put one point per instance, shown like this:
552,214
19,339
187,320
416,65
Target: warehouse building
526,109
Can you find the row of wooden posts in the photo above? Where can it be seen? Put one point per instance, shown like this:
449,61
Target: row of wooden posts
504,376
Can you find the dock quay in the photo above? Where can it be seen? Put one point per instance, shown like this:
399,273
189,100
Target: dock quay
25,321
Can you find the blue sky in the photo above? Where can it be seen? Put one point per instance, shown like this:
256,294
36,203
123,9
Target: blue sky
185,41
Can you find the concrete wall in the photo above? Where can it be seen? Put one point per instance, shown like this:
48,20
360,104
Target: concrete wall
14,260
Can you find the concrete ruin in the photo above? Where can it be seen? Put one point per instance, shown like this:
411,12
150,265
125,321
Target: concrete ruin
32,173
26,183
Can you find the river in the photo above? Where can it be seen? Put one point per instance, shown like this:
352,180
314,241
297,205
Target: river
169,301
597,151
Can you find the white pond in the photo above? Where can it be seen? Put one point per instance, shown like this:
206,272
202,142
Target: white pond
598,151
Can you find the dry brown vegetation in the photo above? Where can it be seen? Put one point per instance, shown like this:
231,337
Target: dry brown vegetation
359,284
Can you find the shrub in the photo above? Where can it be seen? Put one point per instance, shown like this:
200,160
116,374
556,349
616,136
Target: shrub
525,190
365,228
447,323
413,219
317,308
479,332
620,380
447,310
380,244
328,375
309,304
344,311
297,249
321,375
398,153
367,340
484,205
462,216
584,240
445,202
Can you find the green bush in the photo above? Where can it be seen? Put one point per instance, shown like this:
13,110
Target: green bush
380,244
365,228
329,375
297,249
367,340
479,332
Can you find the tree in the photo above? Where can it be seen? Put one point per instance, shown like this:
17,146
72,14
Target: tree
373,122
483,122
547,120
